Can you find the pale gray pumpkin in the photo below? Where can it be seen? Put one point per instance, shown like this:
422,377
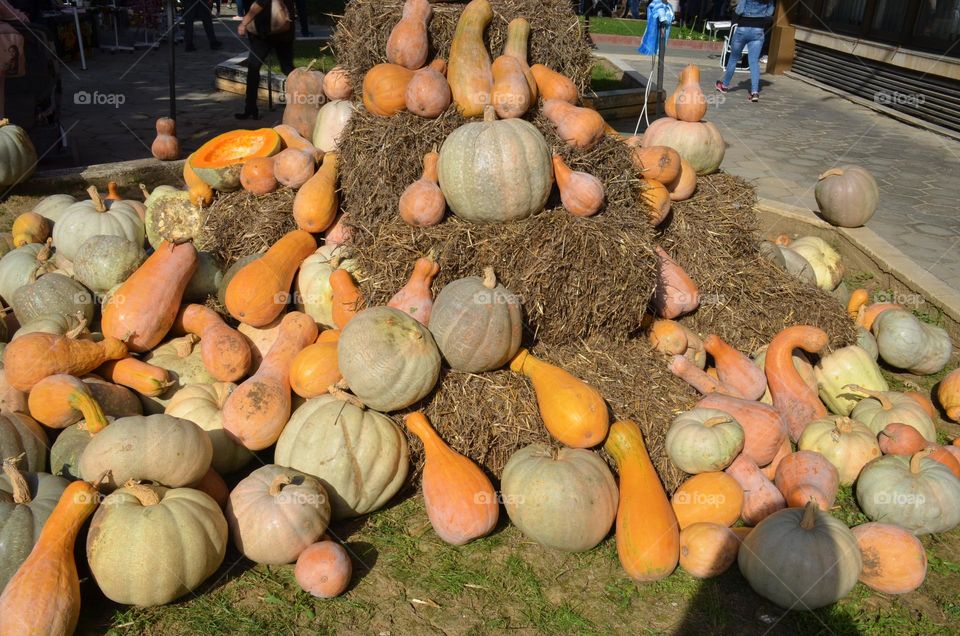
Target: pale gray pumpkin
916,493
495,171
275,513
205,282
105,261
21,266
150,545
476,323
331,120
53,294
18,157
95,217
888,407
314,294
53,206
26,501
388,359
772,253
67,449
20,433
905,342
159,448
170,216
704,440
202,404
182,358
847,196
53,323
564,499
801,558
359,455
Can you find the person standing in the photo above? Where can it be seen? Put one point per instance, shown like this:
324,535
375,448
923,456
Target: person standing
199,9
752,19
262,41
304,19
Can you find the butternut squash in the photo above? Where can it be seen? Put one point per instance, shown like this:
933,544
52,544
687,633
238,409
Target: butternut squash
469,71
143,308
61,400
798,403
315,206
34,356
648,536
581,193
518,37
672,338
735,369
315,369
225,352
511,93
407,44
142,377
258,293
347,299
553,85
573,412
256,412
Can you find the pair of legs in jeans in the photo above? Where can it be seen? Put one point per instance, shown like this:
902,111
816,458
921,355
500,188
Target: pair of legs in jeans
260,48
752,39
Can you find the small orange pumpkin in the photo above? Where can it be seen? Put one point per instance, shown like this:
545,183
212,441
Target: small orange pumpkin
385,89
257,176
422,203
581,193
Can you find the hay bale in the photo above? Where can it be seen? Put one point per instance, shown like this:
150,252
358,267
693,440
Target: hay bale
238,224
556,38
745,299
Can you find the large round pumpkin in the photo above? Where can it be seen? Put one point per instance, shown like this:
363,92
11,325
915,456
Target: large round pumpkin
21,434
476,323
801,558
20,267
26,500
703,440
160,448
847,196
699,143
150,545
894,561
202,404
846,443
275,513
388,359
916,493
331,122
103,262
18,157
495,171
94,217
54,294
564,499
314,295
359,455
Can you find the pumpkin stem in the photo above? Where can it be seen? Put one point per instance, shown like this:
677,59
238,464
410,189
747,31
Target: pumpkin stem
97,199
21,490
278,483
104,476
44,254
718,419
184,346
146,494
489,278
310,66
81,325
916,458
92,413
338,391
146,193
844,425
489,113
879,396
809,519
832,172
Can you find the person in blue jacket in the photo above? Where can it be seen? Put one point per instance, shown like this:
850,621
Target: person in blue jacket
752,19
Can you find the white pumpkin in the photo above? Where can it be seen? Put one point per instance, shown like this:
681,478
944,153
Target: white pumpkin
314,294
825,261
331,120
846,366
20,267
847,444
53,206
202,404
18,157
94,217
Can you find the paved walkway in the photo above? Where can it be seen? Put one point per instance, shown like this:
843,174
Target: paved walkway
797,131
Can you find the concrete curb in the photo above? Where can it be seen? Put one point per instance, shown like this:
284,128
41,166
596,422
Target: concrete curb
148,171
672,43
863,249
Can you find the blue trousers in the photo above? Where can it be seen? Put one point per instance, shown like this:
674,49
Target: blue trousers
752,39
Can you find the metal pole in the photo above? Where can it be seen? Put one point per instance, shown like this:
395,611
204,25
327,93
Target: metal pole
172,64
661,54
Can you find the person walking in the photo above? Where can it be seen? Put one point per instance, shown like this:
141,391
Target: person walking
199,10
264,38
752,19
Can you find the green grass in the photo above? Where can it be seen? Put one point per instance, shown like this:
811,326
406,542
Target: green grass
625,26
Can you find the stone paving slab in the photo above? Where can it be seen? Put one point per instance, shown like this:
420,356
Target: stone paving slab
797,131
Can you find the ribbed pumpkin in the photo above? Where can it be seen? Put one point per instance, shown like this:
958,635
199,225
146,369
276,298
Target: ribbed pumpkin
916,493
54,294
703,440
94,217
713,497
20,434
388,359
188,541
881,408
21,266
331,121
359,455
807,476
103,262
894,561
905,342
699,143
52,207
275,513
564,499
18,157
160,448
202,404
495,171
26,501
707,549
837,371
846,443
476,323
801,558
460,500
847,196
763,429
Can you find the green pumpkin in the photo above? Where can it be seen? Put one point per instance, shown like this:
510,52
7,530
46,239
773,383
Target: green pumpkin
171,216
801,558
67,449
95,217
150,545
52,323
26,500
53,294
849,365
18,157
495,171
22,266
103,262
916,493
20,433
905,342
704,440
53,206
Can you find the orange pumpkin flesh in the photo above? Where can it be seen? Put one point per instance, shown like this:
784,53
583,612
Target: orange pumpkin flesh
218,162
460,500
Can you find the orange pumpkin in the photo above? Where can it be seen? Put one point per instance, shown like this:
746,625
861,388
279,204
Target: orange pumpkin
553,85
713,497
894,561
428,94
900,439
656,200
683,187
257,176
807,476
707,549
315,369
385,89
660,163
336,84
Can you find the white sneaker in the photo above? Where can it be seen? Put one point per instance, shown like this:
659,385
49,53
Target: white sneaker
763,59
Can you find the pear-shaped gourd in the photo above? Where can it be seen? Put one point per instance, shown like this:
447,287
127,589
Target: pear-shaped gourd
581,193
415,298
315,206
422,203
511,93
687,103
